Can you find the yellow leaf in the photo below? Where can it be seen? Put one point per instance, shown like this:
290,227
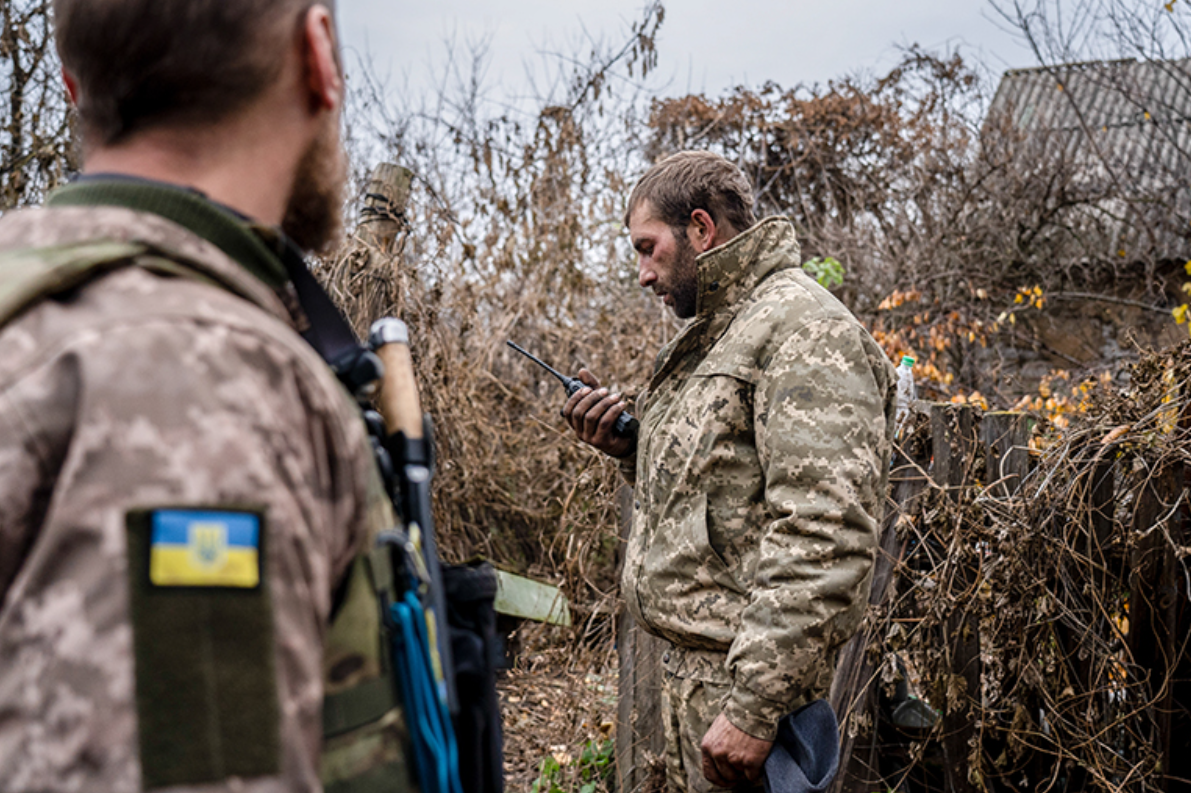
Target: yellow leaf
1180,313
1012,319
1187,268
1018,298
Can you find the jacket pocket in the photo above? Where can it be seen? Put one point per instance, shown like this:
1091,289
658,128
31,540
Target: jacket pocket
686,588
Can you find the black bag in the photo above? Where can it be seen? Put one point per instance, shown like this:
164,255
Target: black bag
471,615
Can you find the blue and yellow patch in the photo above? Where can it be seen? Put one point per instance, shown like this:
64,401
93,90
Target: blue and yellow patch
205,548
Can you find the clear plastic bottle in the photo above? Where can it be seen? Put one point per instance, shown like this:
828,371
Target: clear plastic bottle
906,394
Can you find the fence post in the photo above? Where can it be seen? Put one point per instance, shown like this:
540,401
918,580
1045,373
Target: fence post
1090,532
854,687
1006,439
385,197
1153,604
640,740
954,434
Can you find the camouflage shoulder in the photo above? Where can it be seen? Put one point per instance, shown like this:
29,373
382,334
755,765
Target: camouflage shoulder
28,275
779,308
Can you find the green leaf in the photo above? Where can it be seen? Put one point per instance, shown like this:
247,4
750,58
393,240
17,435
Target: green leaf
826,270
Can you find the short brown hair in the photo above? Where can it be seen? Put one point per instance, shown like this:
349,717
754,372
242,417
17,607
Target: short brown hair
144,63
690,180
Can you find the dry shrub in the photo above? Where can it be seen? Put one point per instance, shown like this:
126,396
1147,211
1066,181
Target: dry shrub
553,707
941,215
37,149
512,231
1052,624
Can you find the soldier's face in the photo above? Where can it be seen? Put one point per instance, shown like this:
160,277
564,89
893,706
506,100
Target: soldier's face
314,212
665,261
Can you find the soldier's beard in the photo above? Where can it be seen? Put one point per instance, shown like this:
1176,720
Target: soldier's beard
314,213
685,288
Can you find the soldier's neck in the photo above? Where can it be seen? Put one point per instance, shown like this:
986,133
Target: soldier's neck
237,167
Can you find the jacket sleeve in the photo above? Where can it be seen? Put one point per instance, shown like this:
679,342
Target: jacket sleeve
823,446
170,413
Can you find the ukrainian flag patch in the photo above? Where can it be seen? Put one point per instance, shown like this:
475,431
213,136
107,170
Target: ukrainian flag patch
205,548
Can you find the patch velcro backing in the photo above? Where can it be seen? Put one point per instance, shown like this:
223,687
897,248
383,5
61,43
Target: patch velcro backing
206,686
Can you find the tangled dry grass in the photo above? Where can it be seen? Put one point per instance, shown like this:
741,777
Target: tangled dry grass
555,703
1047,628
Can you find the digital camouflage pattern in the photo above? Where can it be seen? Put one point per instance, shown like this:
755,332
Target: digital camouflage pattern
689,706
141,390
761,469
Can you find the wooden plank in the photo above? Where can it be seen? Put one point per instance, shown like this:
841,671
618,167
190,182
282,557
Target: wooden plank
1006,439
1090,532
854,689
640,738
385,197
954,432
517,596
953,435
1153,599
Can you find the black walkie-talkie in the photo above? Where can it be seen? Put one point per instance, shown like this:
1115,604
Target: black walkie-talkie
626,425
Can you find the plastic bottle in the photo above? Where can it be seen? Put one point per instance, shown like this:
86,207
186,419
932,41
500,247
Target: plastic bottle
906,393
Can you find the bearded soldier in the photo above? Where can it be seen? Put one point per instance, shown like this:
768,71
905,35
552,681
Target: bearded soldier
185,487
760,470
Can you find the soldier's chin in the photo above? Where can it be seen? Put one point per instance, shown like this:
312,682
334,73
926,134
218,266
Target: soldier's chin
314,213
683,305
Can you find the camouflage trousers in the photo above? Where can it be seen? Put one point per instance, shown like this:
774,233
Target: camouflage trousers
688,709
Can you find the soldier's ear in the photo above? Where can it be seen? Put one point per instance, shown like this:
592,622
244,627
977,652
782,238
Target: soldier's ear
72,87
320,56
701,231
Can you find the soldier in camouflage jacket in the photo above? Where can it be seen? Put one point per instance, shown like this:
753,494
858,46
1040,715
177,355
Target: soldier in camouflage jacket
185,487
760,471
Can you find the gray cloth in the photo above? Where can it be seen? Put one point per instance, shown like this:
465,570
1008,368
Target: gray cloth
805,757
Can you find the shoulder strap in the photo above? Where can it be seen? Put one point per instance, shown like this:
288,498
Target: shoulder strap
30,275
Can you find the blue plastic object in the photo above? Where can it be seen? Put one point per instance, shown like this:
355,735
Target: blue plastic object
435,755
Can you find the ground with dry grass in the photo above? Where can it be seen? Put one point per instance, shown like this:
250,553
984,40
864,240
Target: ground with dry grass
558,706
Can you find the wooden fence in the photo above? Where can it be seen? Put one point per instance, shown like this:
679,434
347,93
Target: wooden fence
1072,674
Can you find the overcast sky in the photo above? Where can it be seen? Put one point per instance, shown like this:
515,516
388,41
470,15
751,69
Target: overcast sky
703,46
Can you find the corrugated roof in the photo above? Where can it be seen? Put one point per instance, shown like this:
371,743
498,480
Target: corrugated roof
1126,122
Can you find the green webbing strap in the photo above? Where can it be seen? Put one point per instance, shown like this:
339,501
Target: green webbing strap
32,274
27,276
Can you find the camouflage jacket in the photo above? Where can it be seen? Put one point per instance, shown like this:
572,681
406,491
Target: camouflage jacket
141,391
760,471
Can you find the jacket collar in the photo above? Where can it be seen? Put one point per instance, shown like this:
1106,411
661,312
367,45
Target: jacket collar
727,273
77,224
234,234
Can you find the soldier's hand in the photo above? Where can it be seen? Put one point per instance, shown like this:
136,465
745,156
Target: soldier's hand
731,756
592,413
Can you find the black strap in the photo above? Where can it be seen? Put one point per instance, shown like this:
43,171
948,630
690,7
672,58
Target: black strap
328,331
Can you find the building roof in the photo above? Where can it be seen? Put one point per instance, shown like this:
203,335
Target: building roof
1124,122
